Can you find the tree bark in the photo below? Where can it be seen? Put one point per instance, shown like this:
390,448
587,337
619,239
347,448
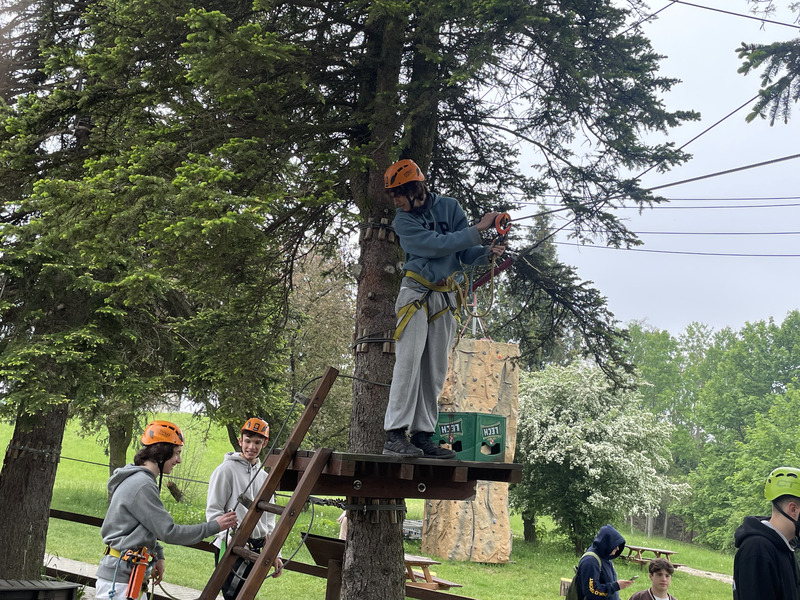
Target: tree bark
26,489
373,567
423,92
529,528
120,434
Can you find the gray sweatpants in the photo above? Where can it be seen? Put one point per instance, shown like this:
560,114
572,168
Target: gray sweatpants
420,367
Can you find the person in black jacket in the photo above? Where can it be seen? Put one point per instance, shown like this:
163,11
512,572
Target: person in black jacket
764,567
599,581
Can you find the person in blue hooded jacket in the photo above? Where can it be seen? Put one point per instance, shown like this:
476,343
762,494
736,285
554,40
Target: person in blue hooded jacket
599,581
437,241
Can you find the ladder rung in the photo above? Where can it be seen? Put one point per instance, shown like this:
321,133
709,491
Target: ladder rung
245,553
269,507
258,506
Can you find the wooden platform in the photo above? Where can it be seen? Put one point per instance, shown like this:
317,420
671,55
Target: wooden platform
379,476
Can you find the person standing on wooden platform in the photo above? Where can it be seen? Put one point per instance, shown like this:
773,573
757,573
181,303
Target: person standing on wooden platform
437,241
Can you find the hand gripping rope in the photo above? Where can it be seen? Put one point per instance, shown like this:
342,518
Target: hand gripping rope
502,224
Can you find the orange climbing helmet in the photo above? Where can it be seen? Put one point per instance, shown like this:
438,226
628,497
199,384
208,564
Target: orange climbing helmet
402,172
162,431
256,425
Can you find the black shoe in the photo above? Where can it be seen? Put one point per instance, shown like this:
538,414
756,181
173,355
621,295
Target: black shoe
424,441
397,444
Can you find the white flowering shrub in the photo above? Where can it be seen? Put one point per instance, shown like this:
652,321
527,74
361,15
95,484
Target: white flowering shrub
591,453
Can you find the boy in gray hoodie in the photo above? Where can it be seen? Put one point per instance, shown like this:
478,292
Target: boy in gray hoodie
136,517
241,474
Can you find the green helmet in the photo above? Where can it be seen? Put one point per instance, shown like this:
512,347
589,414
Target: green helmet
782,481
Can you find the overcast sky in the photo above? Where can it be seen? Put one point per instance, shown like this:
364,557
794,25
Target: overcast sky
668,290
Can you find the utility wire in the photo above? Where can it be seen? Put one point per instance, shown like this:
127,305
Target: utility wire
732,254
649,17
726,172
735,14
702,133
681,182
710,233
670,207
562,208
710,207
734,198
708,199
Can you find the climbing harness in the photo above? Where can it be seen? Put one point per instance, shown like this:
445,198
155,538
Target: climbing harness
502,225
406,312
139,560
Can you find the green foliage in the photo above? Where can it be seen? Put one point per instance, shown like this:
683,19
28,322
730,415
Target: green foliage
544,307
732,481
319,333
206,149
733,400
672,372
165,167
590,453
780,86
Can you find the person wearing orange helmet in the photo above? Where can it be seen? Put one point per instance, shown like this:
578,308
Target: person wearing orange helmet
437,241
241,475
764,567
136,517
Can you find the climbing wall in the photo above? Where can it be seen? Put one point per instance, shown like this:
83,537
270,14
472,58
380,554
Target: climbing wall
483,378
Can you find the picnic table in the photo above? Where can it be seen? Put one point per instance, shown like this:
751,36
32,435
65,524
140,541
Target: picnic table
424,578
642,555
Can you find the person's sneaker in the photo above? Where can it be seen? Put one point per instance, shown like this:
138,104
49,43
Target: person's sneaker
397,444
424,441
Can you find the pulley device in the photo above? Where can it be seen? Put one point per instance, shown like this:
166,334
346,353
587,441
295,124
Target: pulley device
502,223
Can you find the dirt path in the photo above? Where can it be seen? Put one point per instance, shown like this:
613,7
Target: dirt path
707,574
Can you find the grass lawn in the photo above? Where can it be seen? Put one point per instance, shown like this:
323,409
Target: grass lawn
533,573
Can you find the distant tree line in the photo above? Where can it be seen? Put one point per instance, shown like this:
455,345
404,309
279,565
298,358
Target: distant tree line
705,419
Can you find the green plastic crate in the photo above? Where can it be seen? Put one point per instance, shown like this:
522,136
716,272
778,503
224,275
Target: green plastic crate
473,436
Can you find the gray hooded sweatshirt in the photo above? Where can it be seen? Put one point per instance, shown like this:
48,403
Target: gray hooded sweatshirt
136,517
236,476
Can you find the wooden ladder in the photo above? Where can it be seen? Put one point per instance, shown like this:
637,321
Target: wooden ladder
261,503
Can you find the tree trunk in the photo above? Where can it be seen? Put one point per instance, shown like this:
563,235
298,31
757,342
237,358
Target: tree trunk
423,93
120,432
529,528
233,435
26,489
373,567
666,523
649,526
